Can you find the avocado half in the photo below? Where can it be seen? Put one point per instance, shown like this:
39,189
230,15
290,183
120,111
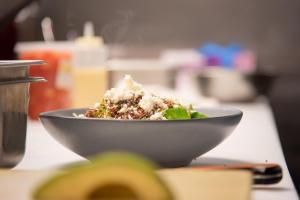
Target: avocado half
108,176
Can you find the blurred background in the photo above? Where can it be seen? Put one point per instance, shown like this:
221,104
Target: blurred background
226,51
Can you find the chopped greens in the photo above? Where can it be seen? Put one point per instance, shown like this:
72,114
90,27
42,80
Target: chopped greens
176,113
182,113
198,115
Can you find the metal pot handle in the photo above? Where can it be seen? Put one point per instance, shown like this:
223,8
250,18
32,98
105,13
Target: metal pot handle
24,80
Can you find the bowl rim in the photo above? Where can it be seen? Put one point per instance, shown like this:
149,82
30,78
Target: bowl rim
51,114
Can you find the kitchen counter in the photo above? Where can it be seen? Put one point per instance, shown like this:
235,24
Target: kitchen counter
254,140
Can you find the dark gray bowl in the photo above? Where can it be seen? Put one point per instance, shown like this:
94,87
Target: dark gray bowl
169,143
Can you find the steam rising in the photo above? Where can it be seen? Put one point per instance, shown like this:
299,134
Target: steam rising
116,31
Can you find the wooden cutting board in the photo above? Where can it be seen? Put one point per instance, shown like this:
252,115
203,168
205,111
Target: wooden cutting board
213,185
185,184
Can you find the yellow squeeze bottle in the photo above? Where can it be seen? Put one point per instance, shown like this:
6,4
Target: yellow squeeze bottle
89,73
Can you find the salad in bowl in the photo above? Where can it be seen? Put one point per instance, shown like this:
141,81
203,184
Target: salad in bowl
132,101
130,118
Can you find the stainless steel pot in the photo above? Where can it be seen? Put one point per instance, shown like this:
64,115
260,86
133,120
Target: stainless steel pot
14,97
14,69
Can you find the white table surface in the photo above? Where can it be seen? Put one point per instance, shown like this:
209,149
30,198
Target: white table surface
254,140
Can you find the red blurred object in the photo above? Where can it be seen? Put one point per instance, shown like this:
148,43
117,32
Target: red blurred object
46,96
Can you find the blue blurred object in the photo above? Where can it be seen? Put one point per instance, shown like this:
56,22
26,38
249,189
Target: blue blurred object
227,59
218,55
210,49
211,52
229,53
234,47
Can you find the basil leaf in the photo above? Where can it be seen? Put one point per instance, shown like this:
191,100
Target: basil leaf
176,113
198,115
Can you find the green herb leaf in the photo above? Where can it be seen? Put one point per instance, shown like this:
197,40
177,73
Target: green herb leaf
198,115
176,113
